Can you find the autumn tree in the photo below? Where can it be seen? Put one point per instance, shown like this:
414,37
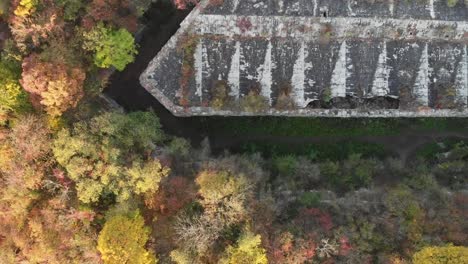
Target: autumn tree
57,86
111,47
13,99
53,232
111,154
24,162
439,255
123,239
71,8
247,250
225,195
38,225
118,13
184,4
25,7
175,193
33,30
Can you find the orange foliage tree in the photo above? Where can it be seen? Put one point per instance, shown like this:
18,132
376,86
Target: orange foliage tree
57,86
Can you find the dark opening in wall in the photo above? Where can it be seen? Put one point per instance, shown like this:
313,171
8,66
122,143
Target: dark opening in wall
382,102
351,102
324,11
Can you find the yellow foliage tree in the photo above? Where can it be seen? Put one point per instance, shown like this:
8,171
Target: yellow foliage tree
13,99
25,7
123,239
248,250
225,194
441,255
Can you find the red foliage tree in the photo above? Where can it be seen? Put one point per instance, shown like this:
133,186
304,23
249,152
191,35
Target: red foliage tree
312,218
174,194
287,249
120,13
184,4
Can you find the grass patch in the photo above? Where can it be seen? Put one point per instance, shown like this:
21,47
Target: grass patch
442,124
302,127
329,127
316,152
429,152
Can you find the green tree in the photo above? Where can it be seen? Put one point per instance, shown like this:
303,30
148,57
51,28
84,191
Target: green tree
13,99
4,6
441,255
402,203
123,239
111,47
111,154
71,8
352,173
285,165
247,250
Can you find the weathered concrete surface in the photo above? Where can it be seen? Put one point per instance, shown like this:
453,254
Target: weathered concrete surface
327,57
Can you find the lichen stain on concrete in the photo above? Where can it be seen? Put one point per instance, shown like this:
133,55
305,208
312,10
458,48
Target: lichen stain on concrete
298,78
340,73
265,73
421,85
234,72
382,73
198,65
461,81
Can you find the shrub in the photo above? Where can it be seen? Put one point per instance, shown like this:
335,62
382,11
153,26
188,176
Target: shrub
285,102
220,95
452,3
111,47
254,103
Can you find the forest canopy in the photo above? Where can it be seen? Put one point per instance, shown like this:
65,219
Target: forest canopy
83,180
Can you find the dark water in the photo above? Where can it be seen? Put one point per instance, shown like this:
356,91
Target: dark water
162,20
